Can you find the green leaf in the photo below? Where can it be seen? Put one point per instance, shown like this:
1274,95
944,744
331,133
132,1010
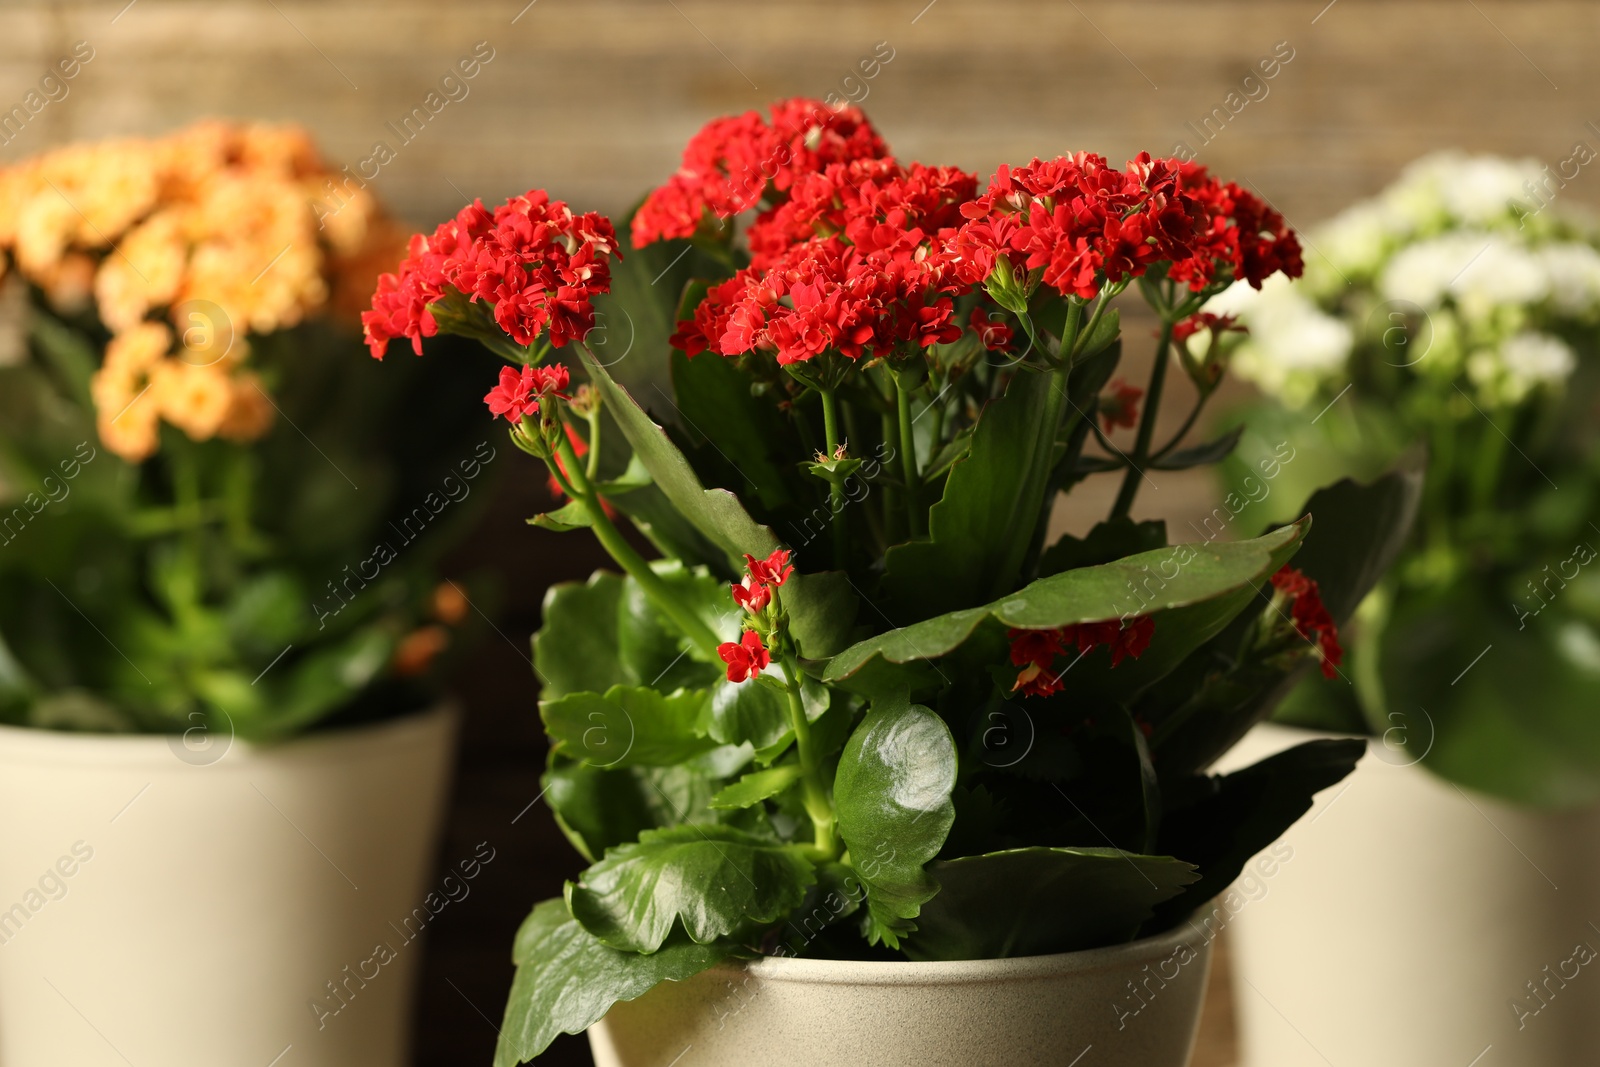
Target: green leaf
600,808
752,438
1145,584
570,516
1235,816
634,477
629,726
1036,901
575,650
1202,455
716,880
749,711
992,502
1205,706
1520,724
607,632
821,606
1361,530
757,786
892,794
567,980
653,650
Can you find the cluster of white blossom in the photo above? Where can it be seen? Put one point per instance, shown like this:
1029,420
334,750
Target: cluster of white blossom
1461,271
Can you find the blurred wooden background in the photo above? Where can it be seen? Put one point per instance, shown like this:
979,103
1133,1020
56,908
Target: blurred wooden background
594,100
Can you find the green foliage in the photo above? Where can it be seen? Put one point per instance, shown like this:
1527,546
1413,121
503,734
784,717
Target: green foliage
251,591
1013,903
567,980
715,880
892,792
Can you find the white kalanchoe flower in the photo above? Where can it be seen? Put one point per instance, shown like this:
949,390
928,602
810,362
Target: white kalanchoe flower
1292,348
1574,273
1533,359
1479,270
1357,241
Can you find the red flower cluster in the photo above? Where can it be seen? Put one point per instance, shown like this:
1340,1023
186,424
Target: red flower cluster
878,205
748,657
754,594
1205,320
1081,222
1035,651
994,333
852,263
534,261
1311,618
519,394
1119,405
734,161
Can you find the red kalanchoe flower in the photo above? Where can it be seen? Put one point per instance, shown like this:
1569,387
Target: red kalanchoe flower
519,394
1035,651
1119,406
774,570
748,657
538,265
994,334
1310,617
1205,320
752,596
735,162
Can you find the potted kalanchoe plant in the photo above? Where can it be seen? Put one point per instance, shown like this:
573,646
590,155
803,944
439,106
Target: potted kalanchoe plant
197,570
860,736
1458,308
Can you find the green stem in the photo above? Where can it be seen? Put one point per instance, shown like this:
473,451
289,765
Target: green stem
1147,426
891,498
1486,470
830,431
1188,424
817,804
908,460
1081,337
638,569
593,466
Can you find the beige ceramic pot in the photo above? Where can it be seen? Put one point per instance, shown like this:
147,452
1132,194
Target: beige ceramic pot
1134,1005
1410,922
188,905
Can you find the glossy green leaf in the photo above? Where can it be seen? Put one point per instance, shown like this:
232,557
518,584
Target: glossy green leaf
1143,584
1205,706
892,794
567,980
600,808
757,786
1229,819
752,712
1035,901
629,726
716,880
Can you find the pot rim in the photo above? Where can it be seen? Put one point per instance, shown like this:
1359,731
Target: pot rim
961,972
33,746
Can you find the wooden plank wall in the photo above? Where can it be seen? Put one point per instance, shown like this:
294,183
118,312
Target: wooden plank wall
594,98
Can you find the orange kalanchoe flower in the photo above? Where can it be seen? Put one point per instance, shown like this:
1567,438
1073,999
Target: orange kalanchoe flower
217,231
